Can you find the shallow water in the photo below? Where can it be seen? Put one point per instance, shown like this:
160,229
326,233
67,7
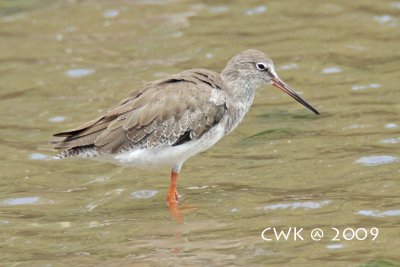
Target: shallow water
63,62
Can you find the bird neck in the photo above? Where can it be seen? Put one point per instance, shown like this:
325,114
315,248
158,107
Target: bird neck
241,85
241,93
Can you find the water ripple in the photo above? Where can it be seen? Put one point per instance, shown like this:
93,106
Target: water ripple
334,246
25,201
218,9
375,213
111,13
77,73
358,87
390,140
297,205
38,156
396,5
391,125
142,194
386,20
289,66
331,70
256,10
376,160
56,119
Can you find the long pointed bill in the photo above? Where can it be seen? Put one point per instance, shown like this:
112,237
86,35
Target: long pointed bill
278,83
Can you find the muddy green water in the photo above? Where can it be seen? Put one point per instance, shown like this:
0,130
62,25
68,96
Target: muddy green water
63,62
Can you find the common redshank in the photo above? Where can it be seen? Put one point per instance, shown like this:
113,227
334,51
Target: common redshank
166,122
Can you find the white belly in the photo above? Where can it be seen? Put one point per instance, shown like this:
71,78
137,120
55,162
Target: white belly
167,155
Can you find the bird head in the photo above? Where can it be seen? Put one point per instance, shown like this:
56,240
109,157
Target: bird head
257,69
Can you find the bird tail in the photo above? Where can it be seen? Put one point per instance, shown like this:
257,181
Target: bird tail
81,152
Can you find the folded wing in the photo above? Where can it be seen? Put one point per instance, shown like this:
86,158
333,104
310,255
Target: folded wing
167,112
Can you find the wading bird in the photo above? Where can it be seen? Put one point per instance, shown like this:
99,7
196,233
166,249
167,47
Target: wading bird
168,121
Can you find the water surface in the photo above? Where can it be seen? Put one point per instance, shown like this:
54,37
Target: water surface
64,62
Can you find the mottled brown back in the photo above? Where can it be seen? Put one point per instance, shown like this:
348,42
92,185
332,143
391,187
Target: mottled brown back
170,111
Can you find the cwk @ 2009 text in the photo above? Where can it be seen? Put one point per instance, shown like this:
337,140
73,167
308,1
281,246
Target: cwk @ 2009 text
318,234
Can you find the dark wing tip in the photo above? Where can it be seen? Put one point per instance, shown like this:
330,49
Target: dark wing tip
63,134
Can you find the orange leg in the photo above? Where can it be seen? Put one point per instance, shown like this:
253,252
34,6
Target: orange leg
173,197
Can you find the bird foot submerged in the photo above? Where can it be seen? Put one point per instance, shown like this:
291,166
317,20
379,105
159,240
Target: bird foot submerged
173,208
173,198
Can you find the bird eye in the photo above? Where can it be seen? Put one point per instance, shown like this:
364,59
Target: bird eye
261,66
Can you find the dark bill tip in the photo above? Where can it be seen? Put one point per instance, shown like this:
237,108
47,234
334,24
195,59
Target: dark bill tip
278,83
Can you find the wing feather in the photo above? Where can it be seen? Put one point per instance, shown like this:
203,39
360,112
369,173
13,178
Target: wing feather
168,112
